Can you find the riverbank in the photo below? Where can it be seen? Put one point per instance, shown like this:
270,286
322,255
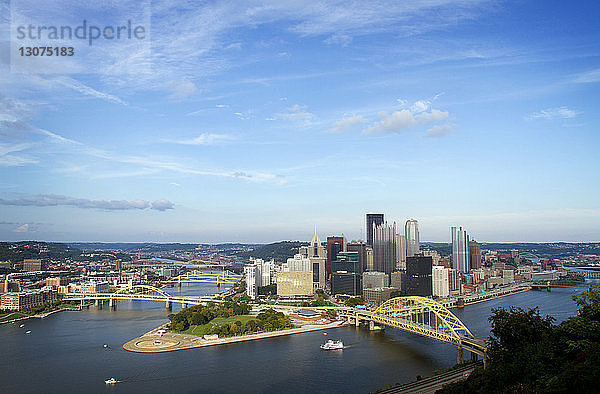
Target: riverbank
41,315
155,342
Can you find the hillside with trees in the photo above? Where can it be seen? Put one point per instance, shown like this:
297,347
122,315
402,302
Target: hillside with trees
528,353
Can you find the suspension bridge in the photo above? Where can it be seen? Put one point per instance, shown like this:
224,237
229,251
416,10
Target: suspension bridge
421,316
139,293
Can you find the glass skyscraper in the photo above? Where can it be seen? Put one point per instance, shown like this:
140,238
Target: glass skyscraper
411,232
460,249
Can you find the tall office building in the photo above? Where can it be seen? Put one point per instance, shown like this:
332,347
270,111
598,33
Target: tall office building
418,276
439,281
384,248
369,254
361,248
460,249
474,255
411,232
373,220
316,254
346,262
400,252
334,246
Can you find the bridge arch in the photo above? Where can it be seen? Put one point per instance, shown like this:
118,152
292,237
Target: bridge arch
158,291
424,316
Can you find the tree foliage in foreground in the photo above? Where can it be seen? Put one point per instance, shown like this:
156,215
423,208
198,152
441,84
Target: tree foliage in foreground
529,354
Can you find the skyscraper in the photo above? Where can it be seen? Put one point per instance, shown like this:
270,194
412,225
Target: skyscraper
334,246
418,276
474,255
384,248
411,232
400,252
460,249
373,219
361,248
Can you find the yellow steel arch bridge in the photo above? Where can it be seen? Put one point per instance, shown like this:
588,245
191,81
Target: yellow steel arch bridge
422,316
139,293
221,277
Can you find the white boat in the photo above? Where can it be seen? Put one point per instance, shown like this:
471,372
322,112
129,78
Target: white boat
28,332
332,345
22,325
111,381
105,345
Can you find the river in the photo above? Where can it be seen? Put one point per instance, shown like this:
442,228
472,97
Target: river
64,353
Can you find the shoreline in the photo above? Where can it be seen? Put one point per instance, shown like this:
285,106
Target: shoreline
151,342
495,297
42,315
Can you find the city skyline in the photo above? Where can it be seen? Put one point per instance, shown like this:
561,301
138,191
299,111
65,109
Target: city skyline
256,122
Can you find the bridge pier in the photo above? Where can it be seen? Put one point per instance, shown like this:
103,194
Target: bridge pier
99,303
459,355
112,304
169,306
184,305
474,357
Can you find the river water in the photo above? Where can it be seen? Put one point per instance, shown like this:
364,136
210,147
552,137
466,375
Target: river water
64,353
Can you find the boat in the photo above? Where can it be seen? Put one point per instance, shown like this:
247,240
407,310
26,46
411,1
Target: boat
111,381
22,325
332,345
105,345
28,332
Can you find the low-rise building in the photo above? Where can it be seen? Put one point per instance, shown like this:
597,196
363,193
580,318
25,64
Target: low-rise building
378,295
27,299
374,279
294,283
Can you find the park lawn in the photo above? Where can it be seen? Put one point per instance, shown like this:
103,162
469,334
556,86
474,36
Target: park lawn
204,329
12,315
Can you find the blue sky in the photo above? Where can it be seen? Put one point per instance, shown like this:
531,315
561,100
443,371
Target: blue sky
254,122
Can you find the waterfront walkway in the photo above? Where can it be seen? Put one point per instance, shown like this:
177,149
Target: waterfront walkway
154,342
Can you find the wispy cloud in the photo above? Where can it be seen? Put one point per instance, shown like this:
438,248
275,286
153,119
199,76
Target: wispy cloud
296,113
53,200
555,113
22,229
204,139
588,77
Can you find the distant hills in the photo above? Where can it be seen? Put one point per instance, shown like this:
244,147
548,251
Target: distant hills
280,251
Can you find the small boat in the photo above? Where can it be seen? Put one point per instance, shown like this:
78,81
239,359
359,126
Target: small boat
22,325
332,345
28,332
111,381
105,345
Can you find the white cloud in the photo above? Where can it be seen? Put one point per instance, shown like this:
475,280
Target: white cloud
431,117
555,113
296,113
53,200
162,205
181,89
204,139
588,77
420,106
420,113
339,39
22,229
439,130
346,124
392,123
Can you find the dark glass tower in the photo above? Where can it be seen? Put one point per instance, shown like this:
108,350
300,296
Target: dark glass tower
373,219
